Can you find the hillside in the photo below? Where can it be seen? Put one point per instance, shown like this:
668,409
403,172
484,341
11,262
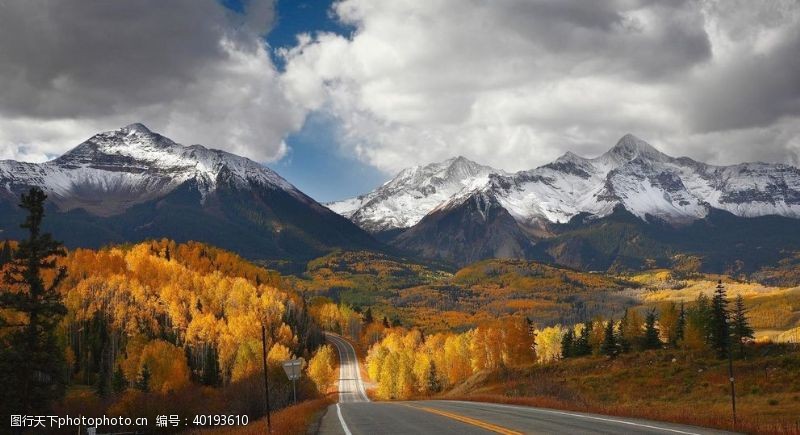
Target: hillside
162,327
658,385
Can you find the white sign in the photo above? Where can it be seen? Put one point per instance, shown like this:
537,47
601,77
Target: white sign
293,368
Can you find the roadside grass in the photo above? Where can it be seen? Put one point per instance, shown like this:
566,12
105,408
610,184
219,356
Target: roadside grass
652,386
293,420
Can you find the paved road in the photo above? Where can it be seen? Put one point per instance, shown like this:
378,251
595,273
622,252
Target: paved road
355,414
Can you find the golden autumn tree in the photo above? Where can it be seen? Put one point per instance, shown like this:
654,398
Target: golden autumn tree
321,368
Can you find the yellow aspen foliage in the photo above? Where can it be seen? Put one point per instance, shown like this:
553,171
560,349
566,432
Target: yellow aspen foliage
548,343
321,368
167,364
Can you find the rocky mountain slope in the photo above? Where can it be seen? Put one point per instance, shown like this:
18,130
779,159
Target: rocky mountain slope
632,183
130,184
413,193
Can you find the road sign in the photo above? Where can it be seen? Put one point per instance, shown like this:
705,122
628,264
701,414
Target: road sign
293,368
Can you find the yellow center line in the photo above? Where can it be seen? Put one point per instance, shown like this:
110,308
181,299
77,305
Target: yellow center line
475,422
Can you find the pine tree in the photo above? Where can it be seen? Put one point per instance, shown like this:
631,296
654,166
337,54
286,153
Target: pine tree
368,316
32,365
568,343
582,344
118,383
720,333
622,340
102,382
741,327
143,383
680,328
609,345
651,339
6,254
702,315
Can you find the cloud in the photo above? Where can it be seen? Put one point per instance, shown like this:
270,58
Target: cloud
190,69
516,83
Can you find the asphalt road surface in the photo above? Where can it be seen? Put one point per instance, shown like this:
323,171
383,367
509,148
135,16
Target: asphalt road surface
355,414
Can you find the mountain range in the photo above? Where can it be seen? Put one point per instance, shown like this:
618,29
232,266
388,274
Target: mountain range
132,184
630,207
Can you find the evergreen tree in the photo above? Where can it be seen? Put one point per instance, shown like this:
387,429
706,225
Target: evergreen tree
702,315
609,345
582,344
434,385
118,383
568,343
6,255
741,327
143,383
32,365
651,339
720,333
622,340
102,382
680,328
368,316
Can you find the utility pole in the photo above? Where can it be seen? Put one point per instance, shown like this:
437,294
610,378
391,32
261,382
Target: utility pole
733,386
266,375
730,363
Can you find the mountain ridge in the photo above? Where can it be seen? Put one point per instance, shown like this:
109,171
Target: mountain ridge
131,184
630,206
632,173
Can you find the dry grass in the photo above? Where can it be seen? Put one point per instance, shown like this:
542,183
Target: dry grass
651,386
294,420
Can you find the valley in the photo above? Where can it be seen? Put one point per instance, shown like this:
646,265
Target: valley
175,256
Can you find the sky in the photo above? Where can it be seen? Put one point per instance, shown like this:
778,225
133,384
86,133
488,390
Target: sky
338,96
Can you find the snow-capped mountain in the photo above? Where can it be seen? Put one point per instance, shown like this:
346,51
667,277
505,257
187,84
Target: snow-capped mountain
414,192
131,183
114,170
648,184
632,174
630,206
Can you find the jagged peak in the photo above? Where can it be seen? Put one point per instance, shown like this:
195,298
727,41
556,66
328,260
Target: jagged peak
630,147
136,127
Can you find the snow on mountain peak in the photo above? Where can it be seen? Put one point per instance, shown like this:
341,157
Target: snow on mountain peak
414,192
633,174
630,147
135,128
115,169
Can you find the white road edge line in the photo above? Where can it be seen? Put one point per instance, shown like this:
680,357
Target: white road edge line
591,417
340,344
341,420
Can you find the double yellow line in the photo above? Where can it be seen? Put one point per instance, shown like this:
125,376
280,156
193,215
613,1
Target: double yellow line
475,422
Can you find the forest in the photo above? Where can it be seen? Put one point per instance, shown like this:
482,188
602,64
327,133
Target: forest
150,327
163,327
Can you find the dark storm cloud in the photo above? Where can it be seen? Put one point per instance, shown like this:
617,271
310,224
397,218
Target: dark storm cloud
192,69
86,58
512,83
750,91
